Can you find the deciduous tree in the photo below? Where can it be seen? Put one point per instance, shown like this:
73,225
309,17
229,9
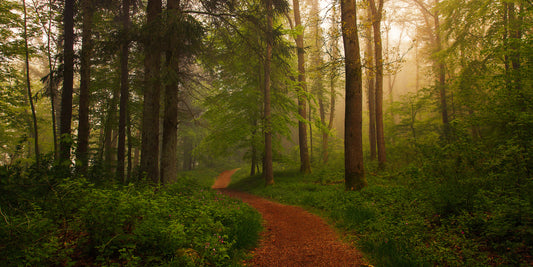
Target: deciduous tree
353,132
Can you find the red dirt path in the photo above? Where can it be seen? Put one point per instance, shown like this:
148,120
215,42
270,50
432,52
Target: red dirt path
293,236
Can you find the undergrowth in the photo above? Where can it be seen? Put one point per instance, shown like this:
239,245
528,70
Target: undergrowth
436,212
49,221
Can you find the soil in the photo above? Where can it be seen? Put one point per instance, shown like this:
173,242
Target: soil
293,236
224,179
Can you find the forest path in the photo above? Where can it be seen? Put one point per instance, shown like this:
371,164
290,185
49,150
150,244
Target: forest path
293,236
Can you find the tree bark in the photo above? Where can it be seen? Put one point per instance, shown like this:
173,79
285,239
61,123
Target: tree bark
124,90
51,82
267,165
370,83
68,80
353,137
377,12
441,70
333,79
305,166
152,64
28,86
169,160
85,78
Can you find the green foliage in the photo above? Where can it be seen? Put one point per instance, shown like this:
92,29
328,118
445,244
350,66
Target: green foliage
444,210
67,222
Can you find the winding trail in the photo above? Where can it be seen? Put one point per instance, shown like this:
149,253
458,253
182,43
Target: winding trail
293,236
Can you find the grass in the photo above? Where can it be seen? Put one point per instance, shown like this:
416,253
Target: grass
405,218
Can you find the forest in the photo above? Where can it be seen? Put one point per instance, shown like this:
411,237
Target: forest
406,124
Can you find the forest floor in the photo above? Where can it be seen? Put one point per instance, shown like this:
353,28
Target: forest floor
292,236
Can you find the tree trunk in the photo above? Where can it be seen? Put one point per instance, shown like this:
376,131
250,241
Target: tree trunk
124,90
28,86
109,148
333,79
169,160
370,83
305,166
267,165
378,57
152,63
187,153
85,78
51,82
441,72
515,35
130,147
68,80
353,135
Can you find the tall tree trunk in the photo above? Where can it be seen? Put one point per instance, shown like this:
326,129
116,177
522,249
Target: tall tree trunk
267,161
317,62
35,131
441,72
333,79
370,83
169,159
85,78
68,80
51,82
515,35
305,166
254,149
353,124
136,152
109,129
378,57
124,90
130,147
152,64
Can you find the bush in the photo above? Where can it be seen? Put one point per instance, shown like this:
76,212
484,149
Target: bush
80,223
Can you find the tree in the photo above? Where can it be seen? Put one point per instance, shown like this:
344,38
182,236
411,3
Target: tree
68,82
152,63
267,160
377,13
124,89
353,138
438,61
333,77
170,117
370,82
305,166
28,86
85,78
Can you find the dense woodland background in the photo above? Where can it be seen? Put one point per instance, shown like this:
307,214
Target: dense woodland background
407,122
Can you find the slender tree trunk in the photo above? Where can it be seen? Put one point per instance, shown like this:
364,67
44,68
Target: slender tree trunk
353,132
332,79
130,147
28,86
109,147
152,64
124,90
515,35
305,166
370,83
267,165
378,57
68,80
441,72
254,156
169,159
136,152
85,78
51,82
